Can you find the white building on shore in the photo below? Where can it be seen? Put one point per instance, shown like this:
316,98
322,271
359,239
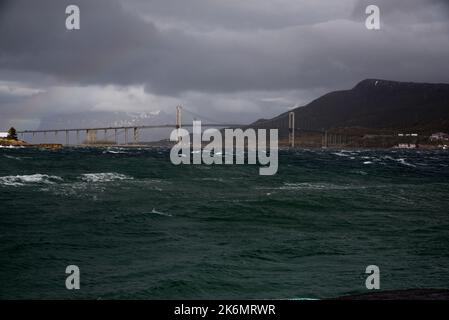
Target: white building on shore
439,136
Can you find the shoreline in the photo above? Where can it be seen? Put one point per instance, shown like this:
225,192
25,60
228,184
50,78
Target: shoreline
281,147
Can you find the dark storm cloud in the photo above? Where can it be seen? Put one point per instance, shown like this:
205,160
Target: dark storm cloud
226,50
116,45
34,38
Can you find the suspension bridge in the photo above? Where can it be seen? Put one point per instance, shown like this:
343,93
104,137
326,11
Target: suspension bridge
130,134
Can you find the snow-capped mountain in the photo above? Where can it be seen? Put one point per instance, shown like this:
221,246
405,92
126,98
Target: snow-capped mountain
97,119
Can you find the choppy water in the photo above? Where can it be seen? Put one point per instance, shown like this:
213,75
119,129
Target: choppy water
139,227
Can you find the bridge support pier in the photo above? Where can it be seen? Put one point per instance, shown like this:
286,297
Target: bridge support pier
115,136
136,135
91,136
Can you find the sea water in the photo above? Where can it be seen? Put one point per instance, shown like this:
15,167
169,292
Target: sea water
139,227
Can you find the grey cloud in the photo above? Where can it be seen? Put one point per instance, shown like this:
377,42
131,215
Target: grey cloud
38,41
214,53
408,12
241,15
115,45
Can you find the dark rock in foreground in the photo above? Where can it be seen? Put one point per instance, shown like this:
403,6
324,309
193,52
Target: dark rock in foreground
410,294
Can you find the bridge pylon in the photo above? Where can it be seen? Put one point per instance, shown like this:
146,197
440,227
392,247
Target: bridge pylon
178,121
291,129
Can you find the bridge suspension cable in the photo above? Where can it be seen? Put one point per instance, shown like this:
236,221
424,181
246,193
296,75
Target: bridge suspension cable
200,117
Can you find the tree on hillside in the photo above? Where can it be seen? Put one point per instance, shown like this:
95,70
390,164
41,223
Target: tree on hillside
12,134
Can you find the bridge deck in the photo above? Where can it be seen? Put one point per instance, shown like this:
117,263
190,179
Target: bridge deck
131,127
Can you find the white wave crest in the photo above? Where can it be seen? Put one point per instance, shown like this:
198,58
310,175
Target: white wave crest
160,213
115,151
28,179
11,157
312,186
405,163
104,177
11,147
402,161
342,154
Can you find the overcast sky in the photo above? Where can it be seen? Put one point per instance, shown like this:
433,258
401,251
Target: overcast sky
233,60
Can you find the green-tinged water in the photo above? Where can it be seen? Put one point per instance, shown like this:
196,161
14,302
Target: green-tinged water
139,227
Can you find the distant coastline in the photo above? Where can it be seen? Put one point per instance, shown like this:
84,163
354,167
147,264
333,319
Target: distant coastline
283,145
20,143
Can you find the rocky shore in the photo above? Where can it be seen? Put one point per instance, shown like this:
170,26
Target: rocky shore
20,143
12,142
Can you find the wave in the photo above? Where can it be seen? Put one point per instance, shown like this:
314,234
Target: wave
292,186
209,179
401,161
160,213
405,163
104,177
11,147
342,154
115,151
11,157
28,179
87,184
346,153
314,186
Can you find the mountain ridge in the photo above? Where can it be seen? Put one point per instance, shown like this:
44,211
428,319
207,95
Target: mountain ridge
373,104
